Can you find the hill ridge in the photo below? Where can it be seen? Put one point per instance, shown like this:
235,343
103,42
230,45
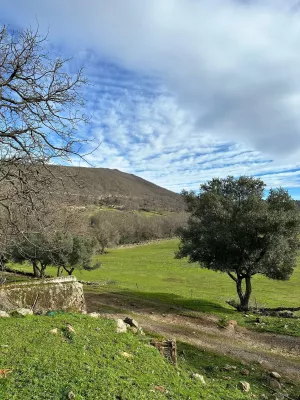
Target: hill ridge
111,187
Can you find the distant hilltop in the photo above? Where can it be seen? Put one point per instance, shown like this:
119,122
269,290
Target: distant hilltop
111,188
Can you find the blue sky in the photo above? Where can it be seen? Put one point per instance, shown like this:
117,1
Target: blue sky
183,90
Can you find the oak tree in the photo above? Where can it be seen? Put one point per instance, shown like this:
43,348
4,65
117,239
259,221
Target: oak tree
234,229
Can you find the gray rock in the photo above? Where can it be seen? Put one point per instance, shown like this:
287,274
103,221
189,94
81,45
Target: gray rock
275,375
23,312
199,378
229,367
244,386
121,326
94,315
4,314
274,384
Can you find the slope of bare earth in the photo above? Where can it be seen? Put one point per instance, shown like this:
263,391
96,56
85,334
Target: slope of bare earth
274,352
110,187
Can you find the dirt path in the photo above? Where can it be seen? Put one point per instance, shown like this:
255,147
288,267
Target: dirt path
275,352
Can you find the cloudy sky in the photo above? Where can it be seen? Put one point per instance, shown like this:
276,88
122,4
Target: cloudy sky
183,90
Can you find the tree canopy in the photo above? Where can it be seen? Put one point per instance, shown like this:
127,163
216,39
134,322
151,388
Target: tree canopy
234,229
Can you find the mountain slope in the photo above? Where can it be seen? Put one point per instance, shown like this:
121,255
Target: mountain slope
111,187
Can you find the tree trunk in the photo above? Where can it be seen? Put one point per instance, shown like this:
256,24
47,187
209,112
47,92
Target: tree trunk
244,296
69,271
43,268
59,272
36,271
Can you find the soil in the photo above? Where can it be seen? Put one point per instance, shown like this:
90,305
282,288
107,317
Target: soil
274,352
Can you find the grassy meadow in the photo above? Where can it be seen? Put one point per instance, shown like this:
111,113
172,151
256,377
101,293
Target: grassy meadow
152,271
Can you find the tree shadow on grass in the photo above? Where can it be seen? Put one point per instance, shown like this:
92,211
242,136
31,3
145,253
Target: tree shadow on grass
168,302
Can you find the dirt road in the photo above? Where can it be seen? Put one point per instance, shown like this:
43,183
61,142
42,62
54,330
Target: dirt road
275,352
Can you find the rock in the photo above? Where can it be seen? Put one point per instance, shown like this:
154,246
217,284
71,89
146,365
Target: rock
244,386
228,367
61,293
54,331
275,375
264,364
23,312
94,315
131,322
232,322
199,378
141,332
121,326
126,355
134,329
274,384
160,389
71,396
70,328
245,372
4,314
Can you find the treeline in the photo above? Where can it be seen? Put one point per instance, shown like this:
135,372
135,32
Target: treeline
68,238
111,228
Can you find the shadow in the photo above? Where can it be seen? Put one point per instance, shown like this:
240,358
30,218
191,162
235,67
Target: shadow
155,301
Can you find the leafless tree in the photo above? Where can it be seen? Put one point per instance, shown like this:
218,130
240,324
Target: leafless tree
40,110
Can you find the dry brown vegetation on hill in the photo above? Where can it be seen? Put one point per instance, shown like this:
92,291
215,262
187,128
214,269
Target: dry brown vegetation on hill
111,188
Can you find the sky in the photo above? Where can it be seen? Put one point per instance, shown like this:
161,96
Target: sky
182,91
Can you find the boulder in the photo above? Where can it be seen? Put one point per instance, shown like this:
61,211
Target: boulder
94,315
244,386
54,331
275,375
274,384
4,314
23,312
245,372
199,378
121,326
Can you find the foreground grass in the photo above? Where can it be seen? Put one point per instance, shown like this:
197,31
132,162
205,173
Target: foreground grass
151,272
91,364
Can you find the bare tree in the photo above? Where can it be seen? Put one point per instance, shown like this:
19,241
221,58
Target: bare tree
40,109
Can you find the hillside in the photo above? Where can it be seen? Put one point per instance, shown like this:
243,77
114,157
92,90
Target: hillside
93,362
111,187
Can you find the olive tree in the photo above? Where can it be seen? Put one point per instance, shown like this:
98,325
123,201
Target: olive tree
104,229
233,229
35,249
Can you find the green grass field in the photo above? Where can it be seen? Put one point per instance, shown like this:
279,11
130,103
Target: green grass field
150,271
90,364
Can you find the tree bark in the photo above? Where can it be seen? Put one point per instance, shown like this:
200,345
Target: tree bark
59,272
36,270
244,296
43,269
69,271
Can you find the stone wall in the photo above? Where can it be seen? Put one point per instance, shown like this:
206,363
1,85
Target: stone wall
64,293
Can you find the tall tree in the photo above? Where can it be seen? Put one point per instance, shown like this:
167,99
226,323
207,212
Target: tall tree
40,110
233,229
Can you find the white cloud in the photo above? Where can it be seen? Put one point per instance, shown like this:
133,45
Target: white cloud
230,71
